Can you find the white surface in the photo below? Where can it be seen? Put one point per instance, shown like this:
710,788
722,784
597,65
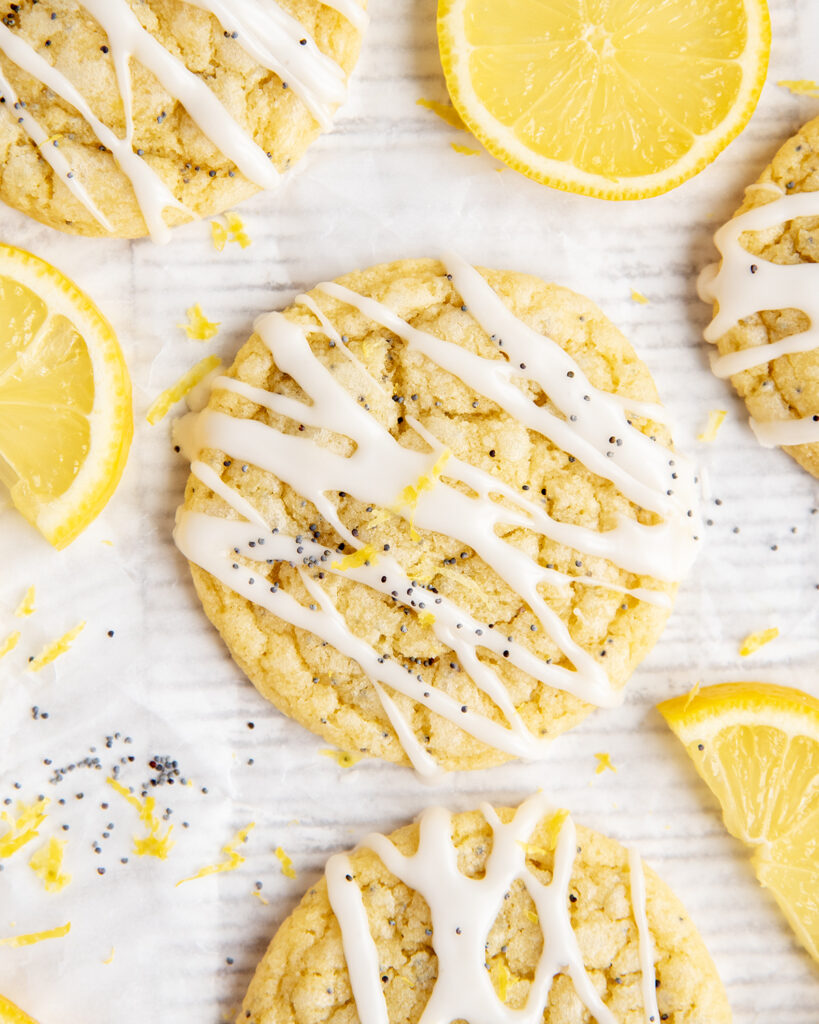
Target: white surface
385,185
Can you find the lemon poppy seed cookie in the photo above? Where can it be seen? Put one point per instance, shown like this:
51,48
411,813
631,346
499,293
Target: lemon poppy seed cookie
435,514
766,312
123,116
496,914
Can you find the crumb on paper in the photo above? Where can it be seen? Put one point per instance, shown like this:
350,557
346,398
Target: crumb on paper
343,758
8,645
366,555
26,606
466,150
800,86
234,859
604,763
445,111
286,862
187,382
154,844
716,417
638,297
198,327
692,693
33,937
236,230
110,958
53,650
22,828
754,641
47,863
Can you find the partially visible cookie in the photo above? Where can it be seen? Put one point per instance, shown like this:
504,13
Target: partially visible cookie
435,514
766,300
118,114
474,916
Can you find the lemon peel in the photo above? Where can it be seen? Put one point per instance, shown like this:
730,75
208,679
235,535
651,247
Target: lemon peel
12,1014
604,763
34,937
754,641
716,417
286,862
22,828
233,861
154,844
26,605
8,645
198,327
47,864
343,758
445,111
176,392
53,650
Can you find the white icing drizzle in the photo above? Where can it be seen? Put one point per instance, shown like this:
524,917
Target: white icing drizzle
265,31
743,284
463,911
637,881
380,469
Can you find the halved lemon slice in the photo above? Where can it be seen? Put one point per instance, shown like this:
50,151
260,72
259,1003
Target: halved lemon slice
757,747
11,1014
617,100
65,399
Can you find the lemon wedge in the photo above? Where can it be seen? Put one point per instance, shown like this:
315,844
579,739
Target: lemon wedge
11,1014
65,399
619,101
756,745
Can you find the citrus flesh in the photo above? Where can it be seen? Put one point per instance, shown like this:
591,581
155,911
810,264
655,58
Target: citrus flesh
619,99
756,746
11,1014
65,399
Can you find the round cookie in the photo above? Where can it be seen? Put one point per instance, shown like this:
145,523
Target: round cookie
429,574
757,305
369,934
224,100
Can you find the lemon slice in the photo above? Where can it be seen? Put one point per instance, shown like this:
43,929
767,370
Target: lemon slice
65,399
11,1014
757,747
620,101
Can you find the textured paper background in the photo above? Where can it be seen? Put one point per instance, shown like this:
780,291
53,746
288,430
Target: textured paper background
385,184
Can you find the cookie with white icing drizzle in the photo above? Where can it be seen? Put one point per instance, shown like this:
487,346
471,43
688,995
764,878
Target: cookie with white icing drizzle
495,915
122,117
766,310
435,514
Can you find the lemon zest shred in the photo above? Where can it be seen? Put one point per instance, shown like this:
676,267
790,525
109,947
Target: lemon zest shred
343,758
230,851
218,235
444,111
501,977
236,230
800,86
466,150
176,392
154,844
411,494
532,916
638,297
22,828
426,618
32,937
716,418
26,606
754,641
356,559
8,645
53,650
692,693
604,763
198,327
261,898
555,827
110,958
47,863
286,862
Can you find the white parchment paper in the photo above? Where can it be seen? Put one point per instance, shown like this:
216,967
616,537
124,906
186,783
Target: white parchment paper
386,184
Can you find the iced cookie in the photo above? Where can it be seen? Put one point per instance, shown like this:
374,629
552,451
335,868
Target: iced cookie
435,514
124,116
766,300
493,915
